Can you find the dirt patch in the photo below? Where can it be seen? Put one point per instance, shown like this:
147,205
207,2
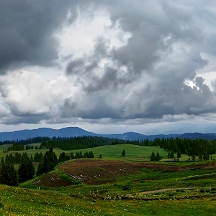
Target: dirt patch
95,172
52,180
101,171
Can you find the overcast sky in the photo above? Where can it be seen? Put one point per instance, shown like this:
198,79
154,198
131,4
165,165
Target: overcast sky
108,66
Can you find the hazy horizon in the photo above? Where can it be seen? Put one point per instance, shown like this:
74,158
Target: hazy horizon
108,66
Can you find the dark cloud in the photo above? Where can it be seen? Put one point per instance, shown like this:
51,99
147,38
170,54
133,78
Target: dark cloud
27,29
28,119
143,78
164,51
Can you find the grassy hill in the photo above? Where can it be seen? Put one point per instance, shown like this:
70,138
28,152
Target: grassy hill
116,185
133,152
151,189
20,201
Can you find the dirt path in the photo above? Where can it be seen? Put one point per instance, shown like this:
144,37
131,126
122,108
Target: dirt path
163,190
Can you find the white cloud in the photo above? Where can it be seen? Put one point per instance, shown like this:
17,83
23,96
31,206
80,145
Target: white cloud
80,37
126,63
28,94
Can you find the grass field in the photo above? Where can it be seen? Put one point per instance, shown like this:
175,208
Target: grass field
19,201
116,185
110,152
133,152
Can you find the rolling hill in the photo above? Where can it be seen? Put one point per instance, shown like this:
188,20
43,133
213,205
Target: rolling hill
76,131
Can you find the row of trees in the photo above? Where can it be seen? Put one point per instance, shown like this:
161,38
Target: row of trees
9,176
71,143
26,141
38,157
192,147
48,163
19,147
50,160
83,142
26,171
155,157
18,157
63,156
198,147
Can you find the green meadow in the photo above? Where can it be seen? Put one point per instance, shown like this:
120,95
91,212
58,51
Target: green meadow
19,201
113,152
133,152
156,190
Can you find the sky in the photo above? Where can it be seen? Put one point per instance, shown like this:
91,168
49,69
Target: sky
108,66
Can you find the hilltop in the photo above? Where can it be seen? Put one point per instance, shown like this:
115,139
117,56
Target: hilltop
76,132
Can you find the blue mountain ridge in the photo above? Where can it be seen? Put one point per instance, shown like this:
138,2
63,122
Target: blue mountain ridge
76,131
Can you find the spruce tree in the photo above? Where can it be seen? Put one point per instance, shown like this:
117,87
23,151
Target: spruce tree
123,153
12,175
8,174
152,157
157,157
26,170
40,170
91,154
48,162
3,173
178,153
62,157
172,154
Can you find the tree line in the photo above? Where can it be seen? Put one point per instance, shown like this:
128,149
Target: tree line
26,170
65,143
11,177
83,142
19,147
25,141
199,147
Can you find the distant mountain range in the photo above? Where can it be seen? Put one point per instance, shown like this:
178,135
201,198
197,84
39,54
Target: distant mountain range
76,131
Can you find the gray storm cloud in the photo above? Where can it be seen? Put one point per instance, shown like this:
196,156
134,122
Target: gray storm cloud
143,78
163,51
27,29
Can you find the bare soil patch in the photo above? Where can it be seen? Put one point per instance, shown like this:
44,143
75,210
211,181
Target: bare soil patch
52,180
97,172
101,171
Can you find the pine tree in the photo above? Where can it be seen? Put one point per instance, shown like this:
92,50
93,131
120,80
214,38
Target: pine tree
152,157
3,173
72,155
157,157
91,155
123,153
48,162
193,157
40,170
12,175
178,153
8,174
26,170
62,157
172,154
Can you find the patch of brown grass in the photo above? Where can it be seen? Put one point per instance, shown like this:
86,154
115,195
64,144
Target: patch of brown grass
93,171
52,180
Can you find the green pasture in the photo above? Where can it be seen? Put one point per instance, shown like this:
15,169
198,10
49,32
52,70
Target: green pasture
145,180
132,152
123,196
23,201
112,152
